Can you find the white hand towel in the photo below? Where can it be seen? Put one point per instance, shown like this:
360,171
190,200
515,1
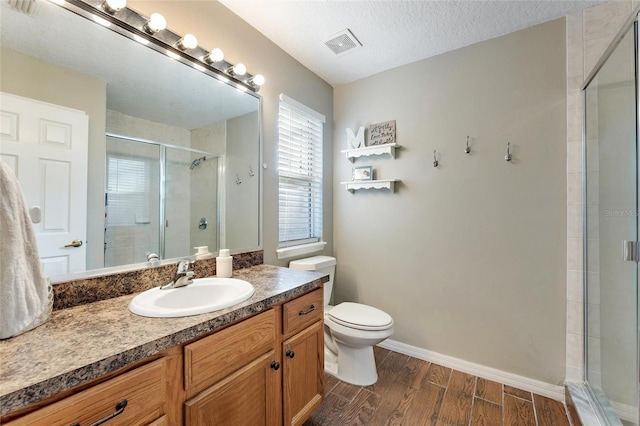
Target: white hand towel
26,297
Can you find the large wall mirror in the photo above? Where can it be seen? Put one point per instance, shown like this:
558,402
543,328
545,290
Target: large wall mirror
171,155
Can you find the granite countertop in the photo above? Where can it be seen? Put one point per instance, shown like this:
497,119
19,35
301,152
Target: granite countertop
85,342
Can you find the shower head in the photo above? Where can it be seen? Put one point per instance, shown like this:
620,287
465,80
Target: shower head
195,163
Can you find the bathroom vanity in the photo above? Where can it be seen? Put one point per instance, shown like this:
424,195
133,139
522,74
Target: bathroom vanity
257,363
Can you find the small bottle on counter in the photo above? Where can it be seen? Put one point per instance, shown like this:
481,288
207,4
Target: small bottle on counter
224,264
202,252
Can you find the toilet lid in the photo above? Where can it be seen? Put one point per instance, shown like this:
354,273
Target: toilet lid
362,317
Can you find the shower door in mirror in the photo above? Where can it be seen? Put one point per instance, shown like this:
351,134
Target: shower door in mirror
611,292
191,202
161,201
132,202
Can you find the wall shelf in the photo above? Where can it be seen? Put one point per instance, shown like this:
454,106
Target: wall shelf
354,153
370,184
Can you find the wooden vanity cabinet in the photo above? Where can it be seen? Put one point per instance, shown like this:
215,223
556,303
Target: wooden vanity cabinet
303,357
232,377
265,370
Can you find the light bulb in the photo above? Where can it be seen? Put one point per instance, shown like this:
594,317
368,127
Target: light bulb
156,23
237,69
113,6
189,41
216,55
257,79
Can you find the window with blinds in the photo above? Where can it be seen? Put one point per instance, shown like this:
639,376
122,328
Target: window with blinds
300,173
128,191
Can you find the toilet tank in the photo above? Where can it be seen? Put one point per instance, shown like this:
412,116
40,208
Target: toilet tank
322,264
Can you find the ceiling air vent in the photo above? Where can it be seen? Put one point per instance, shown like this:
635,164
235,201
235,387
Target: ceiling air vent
342,42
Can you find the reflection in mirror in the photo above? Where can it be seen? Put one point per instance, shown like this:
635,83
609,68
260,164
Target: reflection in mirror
166,144
154,196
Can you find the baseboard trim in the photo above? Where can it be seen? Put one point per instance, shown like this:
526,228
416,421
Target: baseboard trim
624,411
541,388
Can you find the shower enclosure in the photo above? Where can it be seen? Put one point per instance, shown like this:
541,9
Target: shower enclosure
160,200
611,232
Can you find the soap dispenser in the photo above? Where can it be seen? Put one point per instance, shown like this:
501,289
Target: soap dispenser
224,264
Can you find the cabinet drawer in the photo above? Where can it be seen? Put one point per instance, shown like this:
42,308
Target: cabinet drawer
143,388
212,358
302,312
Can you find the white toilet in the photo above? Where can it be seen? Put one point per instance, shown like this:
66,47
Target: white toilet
350,330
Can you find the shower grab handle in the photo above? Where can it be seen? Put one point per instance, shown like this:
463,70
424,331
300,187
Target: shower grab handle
631,251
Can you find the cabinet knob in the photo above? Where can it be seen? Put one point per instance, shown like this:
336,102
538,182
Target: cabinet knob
275,365
290,353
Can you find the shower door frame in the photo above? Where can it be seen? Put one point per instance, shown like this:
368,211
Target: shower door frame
632,21
162,160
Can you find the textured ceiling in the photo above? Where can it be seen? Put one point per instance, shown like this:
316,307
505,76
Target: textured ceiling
393,33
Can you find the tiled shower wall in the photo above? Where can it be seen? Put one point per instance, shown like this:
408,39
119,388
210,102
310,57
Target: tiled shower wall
588,35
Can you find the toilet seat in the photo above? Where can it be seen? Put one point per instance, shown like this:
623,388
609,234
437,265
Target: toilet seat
359,316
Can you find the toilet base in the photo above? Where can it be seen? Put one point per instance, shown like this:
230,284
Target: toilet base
354,366
330,362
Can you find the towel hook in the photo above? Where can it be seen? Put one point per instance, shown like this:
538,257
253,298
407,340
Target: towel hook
508,156
435,159
238,181
467,150
251,173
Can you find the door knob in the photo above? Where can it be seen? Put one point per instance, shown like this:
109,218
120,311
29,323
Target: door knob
74,243
275,365
290,353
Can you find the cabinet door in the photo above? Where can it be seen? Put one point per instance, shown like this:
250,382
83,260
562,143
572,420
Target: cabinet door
303,374
250,396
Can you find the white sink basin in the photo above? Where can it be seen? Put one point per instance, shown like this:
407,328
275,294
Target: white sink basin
204,295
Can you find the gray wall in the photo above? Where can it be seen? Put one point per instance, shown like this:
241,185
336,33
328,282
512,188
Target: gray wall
242,199
217,26
468,258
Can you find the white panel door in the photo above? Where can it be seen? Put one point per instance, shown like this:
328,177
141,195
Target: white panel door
46,146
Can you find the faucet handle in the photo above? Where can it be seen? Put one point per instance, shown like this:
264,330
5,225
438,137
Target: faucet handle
183,266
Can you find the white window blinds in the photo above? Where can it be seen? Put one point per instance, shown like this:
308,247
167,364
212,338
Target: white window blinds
300,173
128,186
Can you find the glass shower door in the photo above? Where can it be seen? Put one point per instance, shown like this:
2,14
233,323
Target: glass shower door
611,307
190,202
132,202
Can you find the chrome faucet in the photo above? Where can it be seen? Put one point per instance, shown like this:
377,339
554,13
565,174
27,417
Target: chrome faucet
182,278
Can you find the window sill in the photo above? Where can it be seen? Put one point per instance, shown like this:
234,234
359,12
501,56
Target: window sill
287,252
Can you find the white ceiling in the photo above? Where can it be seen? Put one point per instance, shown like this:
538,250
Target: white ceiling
392,32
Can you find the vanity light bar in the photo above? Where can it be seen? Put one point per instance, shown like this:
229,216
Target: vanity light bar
135,26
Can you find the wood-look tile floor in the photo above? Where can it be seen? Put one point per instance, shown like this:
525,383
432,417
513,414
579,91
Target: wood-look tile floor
410,391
